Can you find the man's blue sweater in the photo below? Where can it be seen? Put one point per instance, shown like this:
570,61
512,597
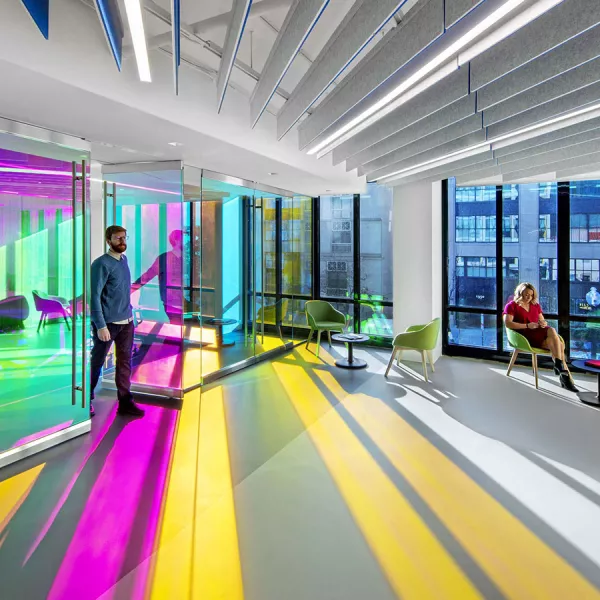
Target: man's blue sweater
110,290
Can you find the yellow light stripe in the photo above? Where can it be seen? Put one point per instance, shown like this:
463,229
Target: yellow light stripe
520,564
173,559
217,572
14,491
415,563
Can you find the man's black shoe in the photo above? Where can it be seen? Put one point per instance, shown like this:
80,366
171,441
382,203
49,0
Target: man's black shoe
92,411
130,409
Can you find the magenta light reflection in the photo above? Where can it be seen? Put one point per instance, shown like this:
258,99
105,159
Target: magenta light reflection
149,547
95,558
41,434
97,440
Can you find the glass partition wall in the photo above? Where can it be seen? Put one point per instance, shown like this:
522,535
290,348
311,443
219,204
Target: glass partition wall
220,270
44,257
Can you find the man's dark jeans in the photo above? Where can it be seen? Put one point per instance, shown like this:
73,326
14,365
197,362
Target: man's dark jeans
122,336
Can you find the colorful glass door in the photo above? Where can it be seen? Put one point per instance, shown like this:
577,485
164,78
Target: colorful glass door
44,257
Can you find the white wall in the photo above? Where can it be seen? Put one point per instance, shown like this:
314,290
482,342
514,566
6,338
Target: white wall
417,232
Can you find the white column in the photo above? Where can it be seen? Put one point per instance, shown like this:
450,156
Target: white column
417,234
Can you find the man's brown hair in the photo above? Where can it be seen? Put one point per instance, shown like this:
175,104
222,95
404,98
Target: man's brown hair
113,229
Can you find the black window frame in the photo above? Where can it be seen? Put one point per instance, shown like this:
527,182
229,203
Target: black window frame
563,270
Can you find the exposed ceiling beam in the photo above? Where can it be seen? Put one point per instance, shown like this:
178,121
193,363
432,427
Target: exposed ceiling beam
358,28
299,22
235,31
201,27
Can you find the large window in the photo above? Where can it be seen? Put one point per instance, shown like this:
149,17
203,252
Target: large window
356,258
549,237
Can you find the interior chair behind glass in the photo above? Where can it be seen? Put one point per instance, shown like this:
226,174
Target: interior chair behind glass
50,305
422,338
322,316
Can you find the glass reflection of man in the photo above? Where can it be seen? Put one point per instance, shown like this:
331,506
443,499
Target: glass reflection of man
168,268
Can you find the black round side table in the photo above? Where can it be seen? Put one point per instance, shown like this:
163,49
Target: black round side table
350,339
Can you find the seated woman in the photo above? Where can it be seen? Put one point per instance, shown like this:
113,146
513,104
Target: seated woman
524,314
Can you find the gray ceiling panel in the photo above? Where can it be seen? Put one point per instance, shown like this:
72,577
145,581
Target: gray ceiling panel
553,156
571,54
572,140
562,165
424,24
298,24
562,174
443,136
456,9
357,29
439,96
450,169
553,136
446,117
568,82
454,146
566,20
479,174
564,104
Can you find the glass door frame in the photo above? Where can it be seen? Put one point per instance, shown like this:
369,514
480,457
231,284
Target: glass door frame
31,140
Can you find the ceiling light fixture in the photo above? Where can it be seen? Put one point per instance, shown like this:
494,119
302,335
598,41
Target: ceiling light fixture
272,173
376,112
175,144
133,8
438,162
573,118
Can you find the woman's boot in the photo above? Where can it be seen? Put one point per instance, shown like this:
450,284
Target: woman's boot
566,382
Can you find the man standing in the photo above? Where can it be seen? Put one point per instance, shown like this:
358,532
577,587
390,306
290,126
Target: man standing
112,318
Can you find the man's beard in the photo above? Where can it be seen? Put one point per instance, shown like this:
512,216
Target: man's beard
118,248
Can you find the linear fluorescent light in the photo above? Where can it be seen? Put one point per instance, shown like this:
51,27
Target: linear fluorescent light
554,124
522,19
133,8
508,139
433,64
403,99
438,162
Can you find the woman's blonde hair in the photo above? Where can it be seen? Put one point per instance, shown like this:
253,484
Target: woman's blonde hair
520,289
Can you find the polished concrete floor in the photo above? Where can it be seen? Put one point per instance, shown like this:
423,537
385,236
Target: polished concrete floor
296,480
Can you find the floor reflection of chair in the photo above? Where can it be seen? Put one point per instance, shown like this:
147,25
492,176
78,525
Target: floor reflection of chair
273,314
50,305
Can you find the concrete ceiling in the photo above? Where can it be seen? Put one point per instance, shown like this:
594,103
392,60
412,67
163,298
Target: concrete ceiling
392,91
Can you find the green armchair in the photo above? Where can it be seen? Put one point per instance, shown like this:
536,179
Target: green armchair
322,316
422,338
520,344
